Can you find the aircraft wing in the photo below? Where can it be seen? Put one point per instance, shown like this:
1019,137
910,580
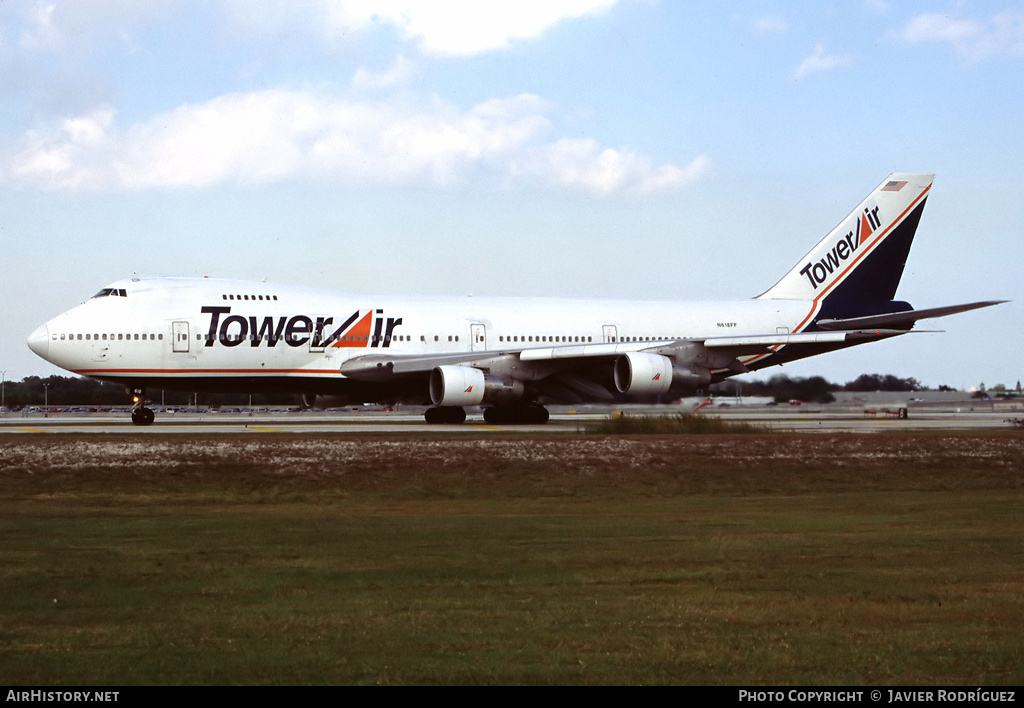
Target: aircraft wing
709,352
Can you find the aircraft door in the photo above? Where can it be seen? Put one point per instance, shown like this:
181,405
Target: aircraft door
316,340
478,337
179,336
610,333
99,351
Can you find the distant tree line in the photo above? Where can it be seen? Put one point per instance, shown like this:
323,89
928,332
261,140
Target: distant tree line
80,391
817,389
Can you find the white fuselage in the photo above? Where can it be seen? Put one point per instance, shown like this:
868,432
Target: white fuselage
162,329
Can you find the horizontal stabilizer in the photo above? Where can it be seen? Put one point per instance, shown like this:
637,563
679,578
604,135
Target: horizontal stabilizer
906,318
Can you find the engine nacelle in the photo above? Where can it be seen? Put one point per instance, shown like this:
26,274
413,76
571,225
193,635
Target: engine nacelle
643,374
688,379
457,386
503,391
466,386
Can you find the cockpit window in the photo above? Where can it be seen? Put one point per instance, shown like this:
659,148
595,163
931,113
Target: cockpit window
111,292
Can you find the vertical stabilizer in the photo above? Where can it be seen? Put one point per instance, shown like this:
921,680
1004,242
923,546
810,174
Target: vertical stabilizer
856,268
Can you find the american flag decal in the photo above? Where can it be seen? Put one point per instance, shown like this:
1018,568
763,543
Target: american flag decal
894,186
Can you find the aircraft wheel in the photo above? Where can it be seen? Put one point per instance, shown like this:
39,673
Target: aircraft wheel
539,415
445,414
143,416
494,416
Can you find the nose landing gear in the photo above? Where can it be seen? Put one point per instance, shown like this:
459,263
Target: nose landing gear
141,414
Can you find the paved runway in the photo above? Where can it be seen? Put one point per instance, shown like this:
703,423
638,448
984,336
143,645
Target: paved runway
780,420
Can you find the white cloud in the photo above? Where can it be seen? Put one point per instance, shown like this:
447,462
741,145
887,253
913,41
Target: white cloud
467,27
770,24
436,28
974,40
582,163
271,136
819,61
38,31
397,75
70,26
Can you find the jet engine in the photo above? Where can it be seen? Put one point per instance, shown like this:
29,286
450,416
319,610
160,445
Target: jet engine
643,374
456,386
466,386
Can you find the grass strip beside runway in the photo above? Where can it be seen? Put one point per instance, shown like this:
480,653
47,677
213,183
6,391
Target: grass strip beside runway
295,559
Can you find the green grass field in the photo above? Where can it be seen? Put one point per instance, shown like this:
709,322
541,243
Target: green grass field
726,559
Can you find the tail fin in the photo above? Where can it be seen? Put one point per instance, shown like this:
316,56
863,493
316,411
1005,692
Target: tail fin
855,269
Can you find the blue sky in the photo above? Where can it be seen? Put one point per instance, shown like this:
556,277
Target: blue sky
609,148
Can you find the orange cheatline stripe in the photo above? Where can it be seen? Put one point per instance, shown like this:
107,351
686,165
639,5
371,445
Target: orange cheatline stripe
87,372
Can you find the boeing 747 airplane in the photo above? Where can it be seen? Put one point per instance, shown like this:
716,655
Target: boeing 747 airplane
510,355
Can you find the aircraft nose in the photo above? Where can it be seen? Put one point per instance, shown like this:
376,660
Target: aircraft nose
39,341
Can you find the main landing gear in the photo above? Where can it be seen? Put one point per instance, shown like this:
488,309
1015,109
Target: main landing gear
141,414
445,414
531,414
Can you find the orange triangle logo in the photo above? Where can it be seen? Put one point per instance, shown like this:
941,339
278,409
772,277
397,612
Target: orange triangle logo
358,335
865,229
